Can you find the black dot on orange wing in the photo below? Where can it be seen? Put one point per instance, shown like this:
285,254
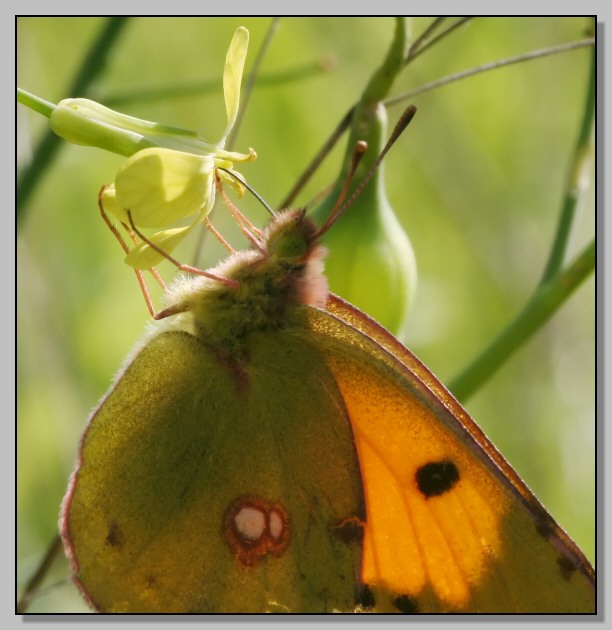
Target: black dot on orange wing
566,567
255,528
436,478
115,536
405,604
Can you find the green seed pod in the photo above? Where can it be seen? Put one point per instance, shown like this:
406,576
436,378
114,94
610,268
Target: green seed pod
371,262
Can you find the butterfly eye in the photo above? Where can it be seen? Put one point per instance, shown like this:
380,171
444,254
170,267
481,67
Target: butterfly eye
289,246
290,237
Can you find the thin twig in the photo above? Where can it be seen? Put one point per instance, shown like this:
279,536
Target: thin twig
39,574
451,78
413,53
318,158
422,38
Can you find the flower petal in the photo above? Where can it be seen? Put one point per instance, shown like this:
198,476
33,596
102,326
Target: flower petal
235,182
227,158
160,186
143,256
232,76
110,205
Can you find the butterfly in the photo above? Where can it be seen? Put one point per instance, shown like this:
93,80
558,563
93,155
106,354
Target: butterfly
87,253
267,447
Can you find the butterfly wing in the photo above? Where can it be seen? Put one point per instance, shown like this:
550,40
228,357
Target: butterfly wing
207,486
449,525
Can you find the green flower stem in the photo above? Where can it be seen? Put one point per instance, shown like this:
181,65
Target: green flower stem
375,91
555,286
93,64
359,114
35,103
547,299
382,80
578,181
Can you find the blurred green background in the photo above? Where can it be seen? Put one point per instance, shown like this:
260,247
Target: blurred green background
476,180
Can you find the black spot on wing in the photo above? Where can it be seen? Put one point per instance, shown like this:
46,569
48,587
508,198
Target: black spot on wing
366,598
115,536
566,567
545,526
436,478
350,531
406,605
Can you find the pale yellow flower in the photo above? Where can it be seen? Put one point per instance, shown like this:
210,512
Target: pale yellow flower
169,175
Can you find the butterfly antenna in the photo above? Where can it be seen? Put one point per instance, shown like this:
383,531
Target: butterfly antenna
341,206
358,152
252,233
239,179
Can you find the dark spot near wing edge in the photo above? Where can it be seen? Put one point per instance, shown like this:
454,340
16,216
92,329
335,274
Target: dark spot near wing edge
436,478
